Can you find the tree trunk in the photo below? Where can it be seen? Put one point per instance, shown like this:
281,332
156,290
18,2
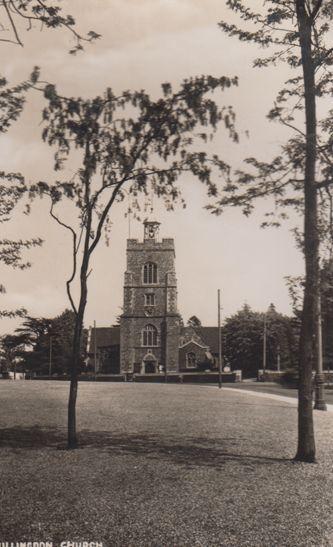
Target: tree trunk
306,441
79,316
72,436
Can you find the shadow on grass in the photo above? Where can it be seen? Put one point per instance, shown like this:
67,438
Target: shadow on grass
31,437
187,451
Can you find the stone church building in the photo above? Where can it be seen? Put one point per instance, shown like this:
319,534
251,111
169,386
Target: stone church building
151,336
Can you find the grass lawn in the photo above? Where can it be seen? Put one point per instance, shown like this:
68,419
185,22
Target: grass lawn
160,465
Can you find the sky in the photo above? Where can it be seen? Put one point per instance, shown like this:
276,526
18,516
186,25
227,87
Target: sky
145,43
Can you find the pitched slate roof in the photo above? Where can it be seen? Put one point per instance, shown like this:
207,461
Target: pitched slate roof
210,336
207,336
105,337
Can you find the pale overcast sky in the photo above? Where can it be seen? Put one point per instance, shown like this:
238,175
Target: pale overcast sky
145,43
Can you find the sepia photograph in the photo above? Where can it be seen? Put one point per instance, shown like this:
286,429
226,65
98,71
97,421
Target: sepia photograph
166,254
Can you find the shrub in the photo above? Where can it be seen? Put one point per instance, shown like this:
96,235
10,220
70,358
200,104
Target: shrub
290,377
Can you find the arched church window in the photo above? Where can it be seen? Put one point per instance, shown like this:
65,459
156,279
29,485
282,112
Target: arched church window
191,359
149,336
149,273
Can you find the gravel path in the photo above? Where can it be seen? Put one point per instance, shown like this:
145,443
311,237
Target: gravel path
284,398
160,465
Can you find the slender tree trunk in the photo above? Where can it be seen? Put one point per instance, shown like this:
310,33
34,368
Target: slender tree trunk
75,367
72,438
306,441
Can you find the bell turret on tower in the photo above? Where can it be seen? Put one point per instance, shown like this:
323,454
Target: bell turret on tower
150,321
151,230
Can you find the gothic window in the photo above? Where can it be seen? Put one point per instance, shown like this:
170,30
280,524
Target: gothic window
149,299
149,273
191,360
149,336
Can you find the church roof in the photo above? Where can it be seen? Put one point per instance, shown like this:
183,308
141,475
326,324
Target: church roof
210,335
110,336
105,337
206,336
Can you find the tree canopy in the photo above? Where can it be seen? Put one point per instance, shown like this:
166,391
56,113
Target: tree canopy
243,335
48,344
297,32
128,143
47,14
276,30
44,13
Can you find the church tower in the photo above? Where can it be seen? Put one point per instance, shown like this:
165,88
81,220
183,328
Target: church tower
150,323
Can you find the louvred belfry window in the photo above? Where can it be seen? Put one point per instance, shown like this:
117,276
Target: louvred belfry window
149,336
149,273
149,299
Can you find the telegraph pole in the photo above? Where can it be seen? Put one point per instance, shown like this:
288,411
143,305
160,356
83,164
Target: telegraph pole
278,358
50,357
165,331
95,351
220,335
264,348
166,350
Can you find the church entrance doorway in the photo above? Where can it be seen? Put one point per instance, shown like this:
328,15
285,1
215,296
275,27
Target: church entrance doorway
150,367
149,364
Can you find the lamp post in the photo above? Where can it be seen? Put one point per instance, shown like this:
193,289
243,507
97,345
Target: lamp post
220,335
319,376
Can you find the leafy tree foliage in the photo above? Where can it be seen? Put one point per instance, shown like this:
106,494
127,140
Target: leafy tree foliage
296,288
194,321
128,143
297,32
36,332
48,344
243,335
283,177
12,185
12,350
45,13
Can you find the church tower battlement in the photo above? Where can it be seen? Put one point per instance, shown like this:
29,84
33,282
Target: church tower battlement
150,322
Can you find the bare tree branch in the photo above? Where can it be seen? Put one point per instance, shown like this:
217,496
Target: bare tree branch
316,9
12,22
69,281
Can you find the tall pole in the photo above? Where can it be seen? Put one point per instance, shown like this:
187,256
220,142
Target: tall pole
165,341
264,348
220,335
278,358
129,211
165,331
95,350
319,377
50,357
